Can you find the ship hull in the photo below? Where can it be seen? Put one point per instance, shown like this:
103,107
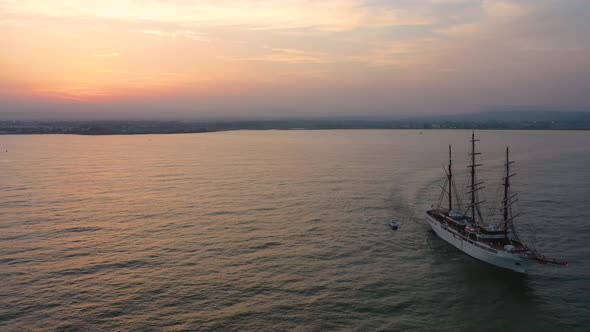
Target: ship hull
479,251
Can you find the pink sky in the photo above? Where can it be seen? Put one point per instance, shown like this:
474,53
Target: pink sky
177,58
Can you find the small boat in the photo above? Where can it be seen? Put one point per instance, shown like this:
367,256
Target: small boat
394,224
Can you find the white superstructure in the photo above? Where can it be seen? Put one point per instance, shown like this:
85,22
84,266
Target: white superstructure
479,250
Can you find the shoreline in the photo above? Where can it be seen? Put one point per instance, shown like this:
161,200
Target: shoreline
102,128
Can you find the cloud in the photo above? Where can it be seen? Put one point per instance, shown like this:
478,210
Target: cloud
506,10
291,55
288,56
394,54
107,55
454,2
335,15
496,15
462,30
189,34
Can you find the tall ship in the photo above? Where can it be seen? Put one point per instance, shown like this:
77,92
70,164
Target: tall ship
464,227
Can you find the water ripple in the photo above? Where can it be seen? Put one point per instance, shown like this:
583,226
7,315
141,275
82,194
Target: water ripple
276,231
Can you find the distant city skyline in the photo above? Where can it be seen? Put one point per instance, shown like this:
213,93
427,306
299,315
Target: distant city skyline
156,59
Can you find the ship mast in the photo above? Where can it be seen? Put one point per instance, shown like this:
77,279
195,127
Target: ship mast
508,199
474,187
450,180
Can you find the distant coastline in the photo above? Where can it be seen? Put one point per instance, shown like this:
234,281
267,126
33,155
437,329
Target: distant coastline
486,120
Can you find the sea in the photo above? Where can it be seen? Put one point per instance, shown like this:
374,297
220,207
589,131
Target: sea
283,230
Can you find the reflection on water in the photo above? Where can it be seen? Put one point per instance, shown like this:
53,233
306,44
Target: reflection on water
278,230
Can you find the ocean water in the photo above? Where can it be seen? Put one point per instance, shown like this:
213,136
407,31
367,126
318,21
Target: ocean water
280,230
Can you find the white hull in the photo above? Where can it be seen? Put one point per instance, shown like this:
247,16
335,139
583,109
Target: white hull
480,251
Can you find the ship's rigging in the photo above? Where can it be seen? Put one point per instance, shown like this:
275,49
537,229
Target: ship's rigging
473,188
494,242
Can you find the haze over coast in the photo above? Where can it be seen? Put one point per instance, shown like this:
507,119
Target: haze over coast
485,120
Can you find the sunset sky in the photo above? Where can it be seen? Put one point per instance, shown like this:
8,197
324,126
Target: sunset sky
229,58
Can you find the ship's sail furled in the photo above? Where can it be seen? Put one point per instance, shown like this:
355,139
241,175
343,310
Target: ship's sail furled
475,186
509,199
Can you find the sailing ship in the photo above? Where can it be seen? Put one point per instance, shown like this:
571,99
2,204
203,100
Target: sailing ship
494,243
